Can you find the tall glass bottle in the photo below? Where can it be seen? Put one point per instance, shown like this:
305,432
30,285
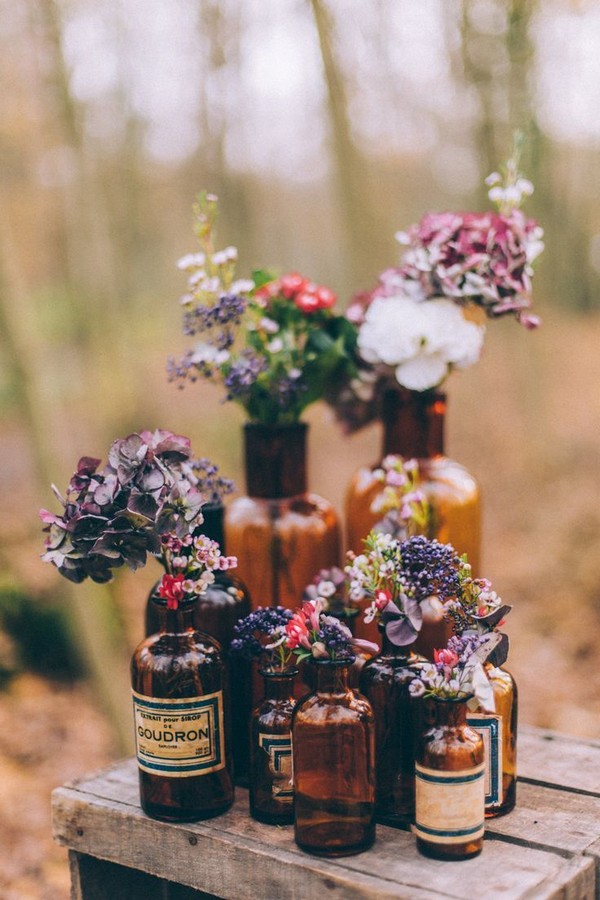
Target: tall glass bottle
499,732
181,714
281,534
271,789
413,427
384,681
217,610
333,741
449,777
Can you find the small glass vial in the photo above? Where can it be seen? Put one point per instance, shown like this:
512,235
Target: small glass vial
333,746
181,717
450,783
271,790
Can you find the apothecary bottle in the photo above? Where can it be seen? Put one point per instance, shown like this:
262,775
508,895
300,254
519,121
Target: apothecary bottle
385,681
217,610
333,748
271,791
450,782
413,427
499,730
181,718
281,533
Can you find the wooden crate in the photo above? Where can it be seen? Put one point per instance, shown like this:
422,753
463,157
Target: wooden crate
549,847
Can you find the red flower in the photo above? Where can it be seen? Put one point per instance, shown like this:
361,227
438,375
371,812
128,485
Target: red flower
297,632
291,284
171,590
446,658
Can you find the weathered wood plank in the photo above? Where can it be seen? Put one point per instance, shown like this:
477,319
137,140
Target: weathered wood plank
235,857
546,757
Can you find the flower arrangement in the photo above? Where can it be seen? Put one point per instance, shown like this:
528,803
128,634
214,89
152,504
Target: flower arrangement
312,634
147,499
398,576
457,672
331,585
191,563
262,635
402,503
274,344
411,328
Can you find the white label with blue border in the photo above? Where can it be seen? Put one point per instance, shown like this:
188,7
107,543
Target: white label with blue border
490,728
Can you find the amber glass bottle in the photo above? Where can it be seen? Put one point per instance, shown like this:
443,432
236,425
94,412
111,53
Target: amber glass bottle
333,741
384,681
499,732
217,610
271,790
413,426
450,788
181,713
281,535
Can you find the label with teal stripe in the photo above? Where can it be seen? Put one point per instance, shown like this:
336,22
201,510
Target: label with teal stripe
449,805
179,738
490,728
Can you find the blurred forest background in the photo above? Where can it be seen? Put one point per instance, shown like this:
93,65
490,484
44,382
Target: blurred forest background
324,126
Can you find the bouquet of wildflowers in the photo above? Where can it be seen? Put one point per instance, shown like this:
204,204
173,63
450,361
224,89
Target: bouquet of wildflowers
147,499
191,563
457,672
312,634
397,576
401,503
411,329
262,635
332,586
273,344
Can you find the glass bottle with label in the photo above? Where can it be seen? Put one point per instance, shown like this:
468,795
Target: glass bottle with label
384,681
181,716
271,789
333,747
450,782
499,732
217,610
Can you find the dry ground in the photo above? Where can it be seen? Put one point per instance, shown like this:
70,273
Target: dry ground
526,421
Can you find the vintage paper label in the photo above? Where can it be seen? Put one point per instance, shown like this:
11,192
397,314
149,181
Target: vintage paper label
279,749
449,805
179,738
490,728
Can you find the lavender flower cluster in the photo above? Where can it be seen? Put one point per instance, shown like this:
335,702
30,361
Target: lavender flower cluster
255,634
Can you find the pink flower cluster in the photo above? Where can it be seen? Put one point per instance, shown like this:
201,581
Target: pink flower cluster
307,295
480,258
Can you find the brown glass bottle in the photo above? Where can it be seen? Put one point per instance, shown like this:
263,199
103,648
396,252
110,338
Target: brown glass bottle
333,741
271,790
413,426
217,610
181,712
281,534
449,778
384,681
500,742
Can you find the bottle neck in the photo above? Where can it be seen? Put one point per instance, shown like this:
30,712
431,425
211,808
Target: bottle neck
445,713
279,685
413,423
174,621
401,654
331,677
213,526
275,457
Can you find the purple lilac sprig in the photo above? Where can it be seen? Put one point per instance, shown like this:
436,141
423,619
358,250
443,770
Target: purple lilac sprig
261,635
212,485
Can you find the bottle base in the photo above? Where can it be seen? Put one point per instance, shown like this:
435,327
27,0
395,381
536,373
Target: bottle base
449,853
267,818
507,805
395,820
167,814
344,844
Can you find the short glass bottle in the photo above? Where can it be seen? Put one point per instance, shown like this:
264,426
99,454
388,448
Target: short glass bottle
500,742
181,713
384,681
281,533
217,610
271,790
333,748
450,782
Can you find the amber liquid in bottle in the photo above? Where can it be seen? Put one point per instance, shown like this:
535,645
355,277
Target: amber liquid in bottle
181,711
271,790
384,681
333,740
450,783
